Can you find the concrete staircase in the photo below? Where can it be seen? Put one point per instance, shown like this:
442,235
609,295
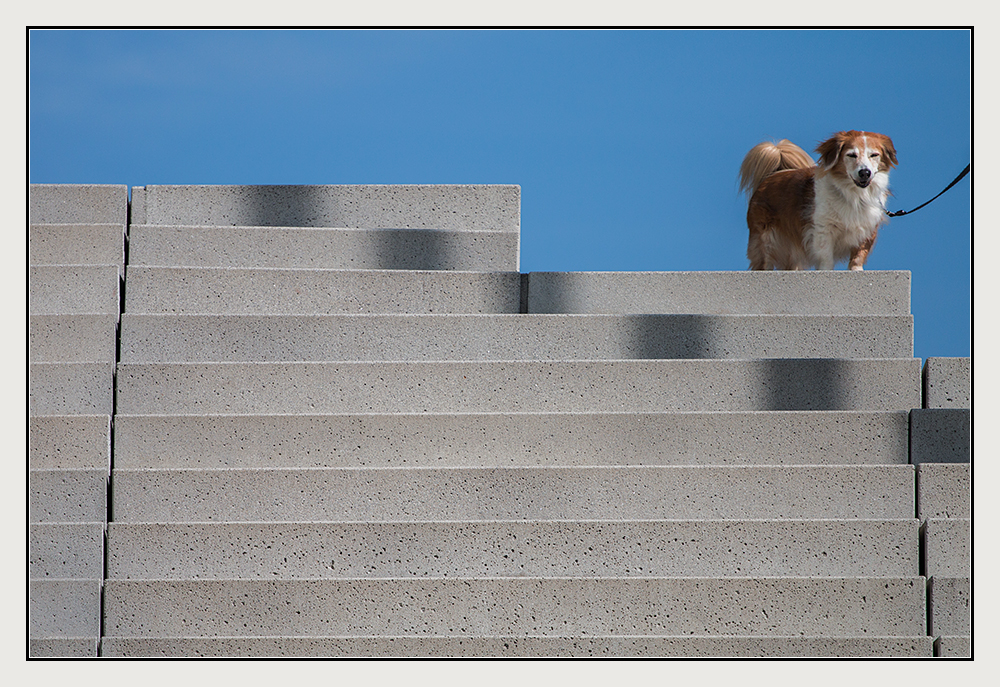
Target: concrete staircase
344,424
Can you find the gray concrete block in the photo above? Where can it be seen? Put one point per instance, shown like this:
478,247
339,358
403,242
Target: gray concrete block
947,547
721,293
64,609
940,435
276,338
73,290
953,647
67,495
447,207
71,388
220,291
501,647
520,386
77,204
76,244
66,550
944,490
69,442
582,493
949,603
559,607
72,338
294,247
948,383
75,647
495,439
755,548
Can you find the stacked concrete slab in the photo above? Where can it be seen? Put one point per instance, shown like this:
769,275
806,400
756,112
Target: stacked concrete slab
941,447
346,425
76,247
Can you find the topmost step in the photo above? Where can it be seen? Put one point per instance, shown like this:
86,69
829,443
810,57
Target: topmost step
447,207
77,204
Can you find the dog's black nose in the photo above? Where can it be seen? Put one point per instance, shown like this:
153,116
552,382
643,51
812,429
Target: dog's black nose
864,174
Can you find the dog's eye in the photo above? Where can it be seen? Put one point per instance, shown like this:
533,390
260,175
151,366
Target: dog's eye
852,155
873,155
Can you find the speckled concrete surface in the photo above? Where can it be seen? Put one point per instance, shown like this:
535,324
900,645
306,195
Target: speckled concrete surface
69,442
72,338
221,291
739,293
495,439
77,203
276,338
472,647
523,386
413,494
557,607
73,290
66,550
948,383
303,550
944,490
948,547
447,206
298,247
76,244
67,495
940,435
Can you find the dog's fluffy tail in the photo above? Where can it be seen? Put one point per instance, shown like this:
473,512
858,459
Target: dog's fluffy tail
766,158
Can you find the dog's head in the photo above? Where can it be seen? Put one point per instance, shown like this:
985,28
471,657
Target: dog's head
859,155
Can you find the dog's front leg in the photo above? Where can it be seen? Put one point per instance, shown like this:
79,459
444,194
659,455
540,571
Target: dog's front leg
859,256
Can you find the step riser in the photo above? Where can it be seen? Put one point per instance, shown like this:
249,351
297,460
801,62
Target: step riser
71,388
721,293
511,440
473,647
77,244
344,249
522,607
166,338
634,493
511,549
72,338
73,290
449,387
447,207
324,292
77,204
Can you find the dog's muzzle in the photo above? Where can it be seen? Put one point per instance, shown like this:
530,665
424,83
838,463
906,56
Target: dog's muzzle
864,178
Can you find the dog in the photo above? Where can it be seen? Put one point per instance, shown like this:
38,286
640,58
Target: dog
804,214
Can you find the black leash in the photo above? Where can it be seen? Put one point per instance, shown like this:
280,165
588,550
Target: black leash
957,179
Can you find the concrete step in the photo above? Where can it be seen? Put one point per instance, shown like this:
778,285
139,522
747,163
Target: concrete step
67,495
947,547
524,386
77,204
715,548
73,290
276,338
445,207
66,550
71,388
72,338
69,442
948,383
63,609
542,493
949,602
944,490
76,244
222,291
524,607
721,293
507,439
477,647
317,248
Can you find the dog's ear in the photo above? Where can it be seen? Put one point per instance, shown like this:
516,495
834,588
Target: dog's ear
889,151
829,151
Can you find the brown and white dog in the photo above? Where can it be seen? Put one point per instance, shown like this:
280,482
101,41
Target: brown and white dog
804,214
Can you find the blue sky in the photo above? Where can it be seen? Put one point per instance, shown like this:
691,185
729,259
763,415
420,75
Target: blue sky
626,144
